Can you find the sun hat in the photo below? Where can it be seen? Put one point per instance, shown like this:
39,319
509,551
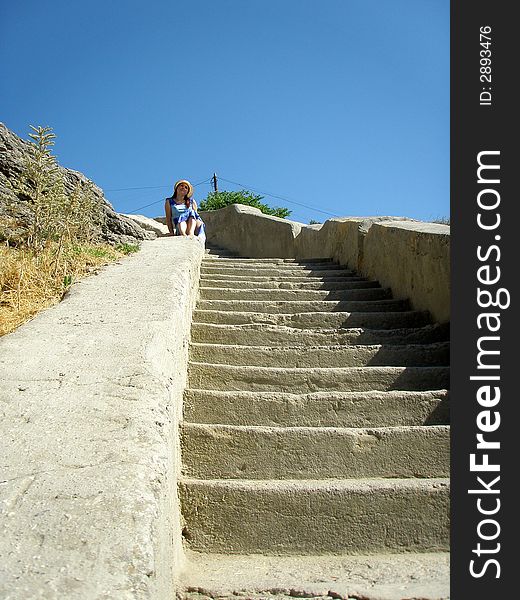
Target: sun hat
190,187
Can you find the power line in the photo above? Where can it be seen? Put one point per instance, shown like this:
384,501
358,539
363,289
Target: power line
208,180
146,206
280,198
162,199
153,187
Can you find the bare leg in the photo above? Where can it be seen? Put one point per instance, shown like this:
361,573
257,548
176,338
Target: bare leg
191,226
198,225
182,227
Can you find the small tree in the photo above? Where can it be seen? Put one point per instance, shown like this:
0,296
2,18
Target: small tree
40,182
216,200
56,215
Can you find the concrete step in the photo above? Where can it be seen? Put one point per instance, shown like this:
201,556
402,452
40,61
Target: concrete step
261,334
234,261
318,409
278,271
424,575
265,294
277,284
216,250
300,306
310,517
317,320
315,421
213,451
218,255
305,380
417,355
235,278
274,265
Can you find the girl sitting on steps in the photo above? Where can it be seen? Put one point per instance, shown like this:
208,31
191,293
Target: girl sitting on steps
182,217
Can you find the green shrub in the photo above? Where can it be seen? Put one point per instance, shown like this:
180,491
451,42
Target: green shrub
216,200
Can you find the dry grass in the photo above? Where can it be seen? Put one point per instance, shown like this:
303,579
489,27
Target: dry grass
55,246
31,282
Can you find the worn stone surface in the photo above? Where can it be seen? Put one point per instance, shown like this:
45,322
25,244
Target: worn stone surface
159,229
417,355
422,251
231,451
304,438
304,380
275,285
249,232
341,238
410,257
376,577
304,306
311,320
354,291
265,334
16,215
316,516
352,443
91,395
289,271
317,409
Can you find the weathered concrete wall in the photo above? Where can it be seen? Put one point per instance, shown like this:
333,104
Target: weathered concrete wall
414,260
91,397
247,230
410,257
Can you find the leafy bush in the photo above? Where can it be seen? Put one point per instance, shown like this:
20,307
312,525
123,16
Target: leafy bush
216,200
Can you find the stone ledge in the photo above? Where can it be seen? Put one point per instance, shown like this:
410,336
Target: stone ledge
91,398
413,259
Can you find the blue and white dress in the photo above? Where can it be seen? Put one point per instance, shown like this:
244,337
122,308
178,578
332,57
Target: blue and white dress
181,213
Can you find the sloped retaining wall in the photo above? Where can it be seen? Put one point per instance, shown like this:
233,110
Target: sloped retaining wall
91,396
411,257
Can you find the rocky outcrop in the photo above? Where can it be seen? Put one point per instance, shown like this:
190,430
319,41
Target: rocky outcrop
15,213
160,229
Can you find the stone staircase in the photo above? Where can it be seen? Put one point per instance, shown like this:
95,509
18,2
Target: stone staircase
315,429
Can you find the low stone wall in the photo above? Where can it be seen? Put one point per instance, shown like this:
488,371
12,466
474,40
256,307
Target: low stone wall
248,231
414,260
411,257
91,397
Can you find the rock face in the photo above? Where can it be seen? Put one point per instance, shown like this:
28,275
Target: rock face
15,215
159,228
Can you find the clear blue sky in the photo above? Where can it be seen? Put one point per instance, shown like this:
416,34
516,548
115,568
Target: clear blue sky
339,105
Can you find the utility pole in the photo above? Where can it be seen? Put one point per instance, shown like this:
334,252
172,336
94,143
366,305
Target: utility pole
215,187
